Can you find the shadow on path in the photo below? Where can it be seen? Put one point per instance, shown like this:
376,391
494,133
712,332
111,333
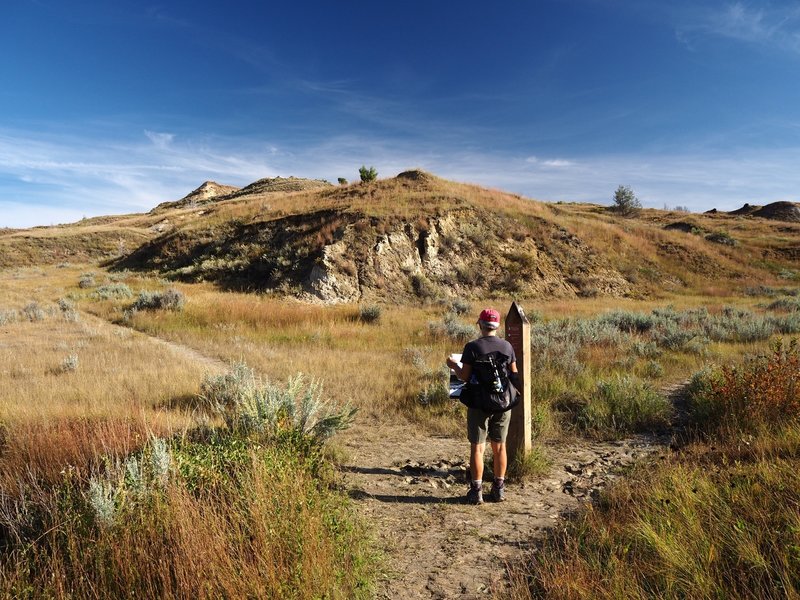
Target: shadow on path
395,499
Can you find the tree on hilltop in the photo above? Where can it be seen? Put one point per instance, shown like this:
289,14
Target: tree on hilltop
625,201
368,175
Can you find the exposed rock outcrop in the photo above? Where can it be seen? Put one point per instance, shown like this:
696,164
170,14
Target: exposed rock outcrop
209,191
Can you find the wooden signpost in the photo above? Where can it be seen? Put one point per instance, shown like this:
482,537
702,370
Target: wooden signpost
518,333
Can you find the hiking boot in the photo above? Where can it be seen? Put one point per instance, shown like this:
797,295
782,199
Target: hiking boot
475,495
498,493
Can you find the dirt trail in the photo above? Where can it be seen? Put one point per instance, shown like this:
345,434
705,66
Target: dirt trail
214,365
410,487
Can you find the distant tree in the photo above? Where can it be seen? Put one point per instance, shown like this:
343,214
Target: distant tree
342,181
625,201
368,175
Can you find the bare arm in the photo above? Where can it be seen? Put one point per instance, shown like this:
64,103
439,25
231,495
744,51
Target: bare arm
463,372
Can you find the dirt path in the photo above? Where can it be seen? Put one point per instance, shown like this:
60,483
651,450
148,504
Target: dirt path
214,365
411,486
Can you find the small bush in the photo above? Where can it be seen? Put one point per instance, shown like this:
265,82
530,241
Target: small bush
8,316
460,307
33,312
646,349
423,287
170,299
631,322
68,310
721,237
247,403
342,181
653,370
86,281
434,393
367,174
764,392
69,364
113,291
371,313
785,304
786,324
452,328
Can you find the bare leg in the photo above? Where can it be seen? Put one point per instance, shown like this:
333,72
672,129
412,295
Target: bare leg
476,461
500,460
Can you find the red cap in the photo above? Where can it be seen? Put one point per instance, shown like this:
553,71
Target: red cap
489,318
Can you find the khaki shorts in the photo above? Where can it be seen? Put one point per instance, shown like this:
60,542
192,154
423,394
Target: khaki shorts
481,425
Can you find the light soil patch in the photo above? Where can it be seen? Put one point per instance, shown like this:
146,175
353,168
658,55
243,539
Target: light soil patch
411,486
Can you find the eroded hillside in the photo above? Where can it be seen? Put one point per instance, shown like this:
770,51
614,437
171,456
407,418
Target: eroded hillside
416,236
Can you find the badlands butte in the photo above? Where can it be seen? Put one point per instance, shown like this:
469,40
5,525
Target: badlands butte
417,236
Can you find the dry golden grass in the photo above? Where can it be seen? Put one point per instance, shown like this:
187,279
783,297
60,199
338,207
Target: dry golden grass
278,531
57,411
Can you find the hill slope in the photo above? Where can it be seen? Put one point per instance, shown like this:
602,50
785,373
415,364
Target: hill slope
416,236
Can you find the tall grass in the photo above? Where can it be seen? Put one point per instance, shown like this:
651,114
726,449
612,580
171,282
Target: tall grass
718,519
230,518
241,511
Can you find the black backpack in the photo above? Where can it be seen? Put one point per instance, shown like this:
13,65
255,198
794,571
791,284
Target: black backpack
489,388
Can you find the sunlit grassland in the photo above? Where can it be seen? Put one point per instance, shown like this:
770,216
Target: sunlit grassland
80,400
71,390
717,518
392,367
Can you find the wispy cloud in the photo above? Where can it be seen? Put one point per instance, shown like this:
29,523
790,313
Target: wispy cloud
160,140
50,179
762,24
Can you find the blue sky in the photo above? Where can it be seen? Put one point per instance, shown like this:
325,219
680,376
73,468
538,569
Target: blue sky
113,107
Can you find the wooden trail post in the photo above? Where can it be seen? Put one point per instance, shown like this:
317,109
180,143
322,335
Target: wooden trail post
518,333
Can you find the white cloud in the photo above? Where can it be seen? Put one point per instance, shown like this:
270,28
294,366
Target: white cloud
160,140
50,179
765,25
558,163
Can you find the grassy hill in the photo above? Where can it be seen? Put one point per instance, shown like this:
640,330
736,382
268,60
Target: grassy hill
418,236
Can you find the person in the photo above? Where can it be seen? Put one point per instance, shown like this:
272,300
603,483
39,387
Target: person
480,424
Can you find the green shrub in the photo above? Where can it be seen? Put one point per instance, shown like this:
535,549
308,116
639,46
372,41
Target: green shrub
452,328
721,237
370,313
624,404
785,304
423,287
631,322
69,364
460,307
33,312
367,174
653,370
625,201
8,316
786,324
